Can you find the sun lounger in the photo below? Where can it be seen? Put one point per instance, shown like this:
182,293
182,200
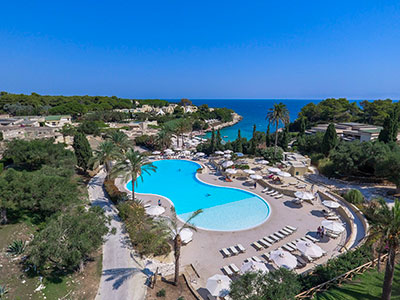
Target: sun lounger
265,190
256,258
274,237
257,246
312,239
264,243
282,236
271,192
291,227
266,256
234,268
287,231
241,248
233,250
288,248
274,193
269,240
227,270
332,218
304,239
293,245
278,196
332,234
225,252
301,262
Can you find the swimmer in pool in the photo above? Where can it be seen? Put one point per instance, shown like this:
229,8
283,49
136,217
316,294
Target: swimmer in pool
208,195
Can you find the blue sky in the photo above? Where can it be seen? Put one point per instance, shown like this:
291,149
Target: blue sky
202,49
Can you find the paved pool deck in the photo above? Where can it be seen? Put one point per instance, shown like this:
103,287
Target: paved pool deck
203,252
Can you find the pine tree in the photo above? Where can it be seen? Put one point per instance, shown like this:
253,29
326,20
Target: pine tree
268,136
253,144
390,127
218,144
213,142
302,128
330,139
239,146
83,151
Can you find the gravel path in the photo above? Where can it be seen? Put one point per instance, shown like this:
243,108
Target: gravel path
122,276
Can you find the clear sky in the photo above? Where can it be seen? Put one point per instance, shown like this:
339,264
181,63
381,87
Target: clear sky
202,49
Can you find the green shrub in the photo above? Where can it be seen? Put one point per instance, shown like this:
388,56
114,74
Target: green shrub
354,196
113,192
181,298
336,266
242,167
17,247
161,293
326,167
3,291
316,157
113,230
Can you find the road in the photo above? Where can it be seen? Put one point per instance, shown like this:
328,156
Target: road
122,277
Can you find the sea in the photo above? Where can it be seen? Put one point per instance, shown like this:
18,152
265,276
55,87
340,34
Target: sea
253,112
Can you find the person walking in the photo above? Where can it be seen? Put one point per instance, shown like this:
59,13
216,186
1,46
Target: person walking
322,232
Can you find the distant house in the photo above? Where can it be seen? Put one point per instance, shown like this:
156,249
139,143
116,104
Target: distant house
28,133
57,121
351,131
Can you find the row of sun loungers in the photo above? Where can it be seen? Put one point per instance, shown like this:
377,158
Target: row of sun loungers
267,241
272,193
233,250
231,269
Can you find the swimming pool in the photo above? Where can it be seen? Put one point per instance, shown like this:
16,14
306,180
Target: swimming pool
225,209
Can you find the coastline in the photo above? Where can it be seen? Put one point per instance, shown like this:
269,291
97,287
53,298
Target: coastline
236,119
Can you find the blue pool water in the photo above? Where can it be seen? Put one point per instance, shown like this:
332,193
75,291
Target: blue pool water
225,209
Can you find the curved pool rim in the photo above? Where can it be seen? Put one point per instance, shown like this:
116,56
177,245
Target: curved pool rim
232,187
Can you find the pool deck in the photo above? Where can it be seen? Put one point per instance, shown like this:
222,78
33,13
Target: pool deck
203,252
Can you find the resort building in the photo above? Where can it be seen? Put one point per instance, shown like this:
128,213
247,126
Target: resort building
28,133
350,131
57,121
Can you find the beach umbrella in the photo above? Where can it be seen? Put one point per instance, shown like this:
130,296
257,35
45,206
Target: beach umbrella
333,226
156,152
239,154
200,154
263,162
273,170
248,171
231,171
256,177
304,195
168,151
283,259
155,210
228,151
253,266
186,235
331,204
227,164
219,152
309,249
227,156
177,148
283,174
218,285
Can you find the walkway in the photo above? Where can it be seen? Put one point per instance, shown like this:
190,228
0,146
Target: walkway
122,276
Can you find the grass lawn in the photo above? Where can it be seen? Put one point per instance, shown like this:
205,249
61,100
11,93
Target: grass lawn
367,286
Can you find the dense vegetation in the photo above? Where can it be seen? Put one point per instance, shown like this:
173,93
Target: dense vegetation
341,110
39,184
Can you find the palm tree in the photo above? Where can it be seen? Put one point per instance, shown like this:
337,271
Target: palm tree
279,113
131,165
182,126
120,139
105,154
388,221
171,227
164,139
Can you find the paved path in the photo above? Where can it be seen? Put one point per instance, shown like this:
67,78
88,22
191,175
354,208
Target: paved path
122,277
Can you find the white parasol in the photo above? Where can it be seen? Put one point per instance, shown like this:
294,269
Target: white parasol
333,226
155,210
186,235
274,170
284,259
309,249
331,204
156,152
231,171
283,174
228,151
263,162
253,266
218,285
256,177
248,171
227,164
219,152
304,195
